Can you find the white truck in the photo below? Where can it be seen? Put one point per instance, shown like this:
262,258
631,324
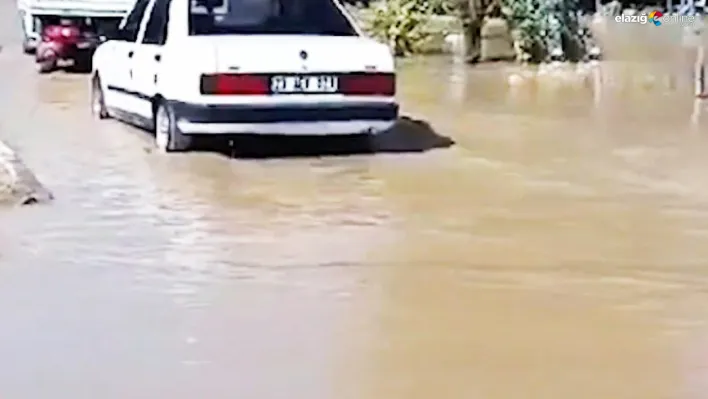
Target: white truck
35,14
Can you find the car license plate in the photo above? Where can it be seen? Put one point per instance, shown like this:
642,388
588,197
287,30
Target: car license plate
83,45
310,84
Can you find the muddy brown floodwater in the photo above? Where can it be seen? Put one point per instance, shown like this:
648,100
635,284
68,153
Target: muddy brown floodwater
558,250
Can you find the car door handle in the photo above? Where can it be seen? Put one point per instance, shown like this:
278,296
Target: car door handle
130,54
158,57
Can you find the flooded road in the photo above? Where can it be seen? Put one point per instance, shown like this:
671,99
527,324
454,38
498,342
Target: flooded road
557,250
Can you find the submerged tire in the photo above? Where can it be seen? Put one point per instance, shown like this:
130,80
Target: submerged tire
44,67
168,138
98,103
27,48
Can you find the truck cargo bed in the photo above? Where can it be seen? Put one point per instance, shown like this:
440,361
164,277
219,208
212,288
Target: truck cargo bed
79,8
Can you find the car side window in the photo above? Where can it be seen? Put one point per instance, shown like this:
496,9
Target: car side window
156,29
129,31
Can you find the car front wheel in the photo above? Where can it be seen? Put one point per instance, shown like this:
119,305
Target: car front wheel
46,66
168,138
98,103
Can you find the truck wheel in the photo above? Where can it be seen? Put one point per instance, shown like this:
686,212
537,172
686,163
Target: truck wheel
98,103
26,47
168,138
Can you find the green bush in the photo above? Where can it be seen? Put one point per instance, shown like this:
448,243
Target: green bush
542,26
528,21
403,25
420,26
443,7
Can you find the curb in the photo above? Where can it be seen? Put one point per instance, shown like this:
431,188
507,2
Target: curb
18,185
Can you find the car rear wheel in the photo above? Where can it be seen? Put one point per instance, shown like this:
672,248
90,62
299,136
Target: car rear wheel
46,66
98,103
168,138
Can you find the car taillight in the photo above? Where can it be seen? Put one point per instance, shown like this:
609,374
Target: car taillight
234,84
60,32
368,84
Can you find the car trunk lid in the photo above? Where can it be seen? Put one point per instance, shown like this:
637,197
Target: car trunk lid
297,54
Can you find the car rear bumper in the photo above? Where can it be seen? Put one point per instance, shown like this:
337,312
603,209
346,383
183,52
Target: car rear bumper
310,119
52,50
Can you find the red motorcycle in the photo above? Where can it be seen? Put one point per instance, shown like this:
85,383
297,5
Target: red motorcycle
66,42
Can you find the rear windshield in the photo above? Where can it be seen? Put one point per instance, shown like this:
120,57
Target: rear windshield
263,17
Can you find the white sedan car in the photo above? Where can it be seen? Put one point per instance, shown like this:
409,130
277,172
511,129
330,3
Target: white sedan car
188,68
